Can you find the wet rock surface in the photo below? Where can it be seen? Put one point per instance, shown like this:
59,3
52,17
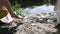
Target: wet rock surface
33,25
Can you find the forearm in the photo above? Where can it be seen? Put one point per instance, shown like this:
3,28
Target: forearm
8,6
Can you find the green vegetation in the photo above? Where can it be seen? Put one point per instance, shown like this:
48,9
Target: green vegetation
17,4
16,8
25,3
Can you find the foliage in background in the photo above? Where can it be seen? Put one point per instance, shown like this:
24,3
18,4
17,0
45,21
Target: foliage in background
17,9
17,4
26,3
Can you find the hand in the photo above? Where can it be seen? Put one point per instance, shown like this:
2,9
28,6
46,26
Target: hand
15,16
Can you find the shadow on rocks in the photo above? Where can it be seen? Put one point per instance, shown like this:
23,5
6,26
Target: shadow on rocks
58,27
7,30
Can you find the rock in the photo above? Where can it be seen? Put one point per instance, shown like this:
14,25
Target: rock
35,25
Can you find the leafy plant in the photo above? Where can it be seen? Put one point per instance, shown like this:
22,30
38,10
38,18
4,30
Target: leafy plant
17,9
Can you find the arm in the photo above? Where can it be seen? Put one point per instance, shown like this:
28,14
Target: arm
8,6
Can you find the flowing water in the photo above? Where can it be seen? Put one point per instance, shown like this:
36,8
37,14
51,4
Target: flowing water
39,9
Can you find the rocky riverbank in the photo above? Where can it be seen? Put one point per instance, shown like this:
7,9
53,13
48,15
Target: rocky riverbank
34,25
